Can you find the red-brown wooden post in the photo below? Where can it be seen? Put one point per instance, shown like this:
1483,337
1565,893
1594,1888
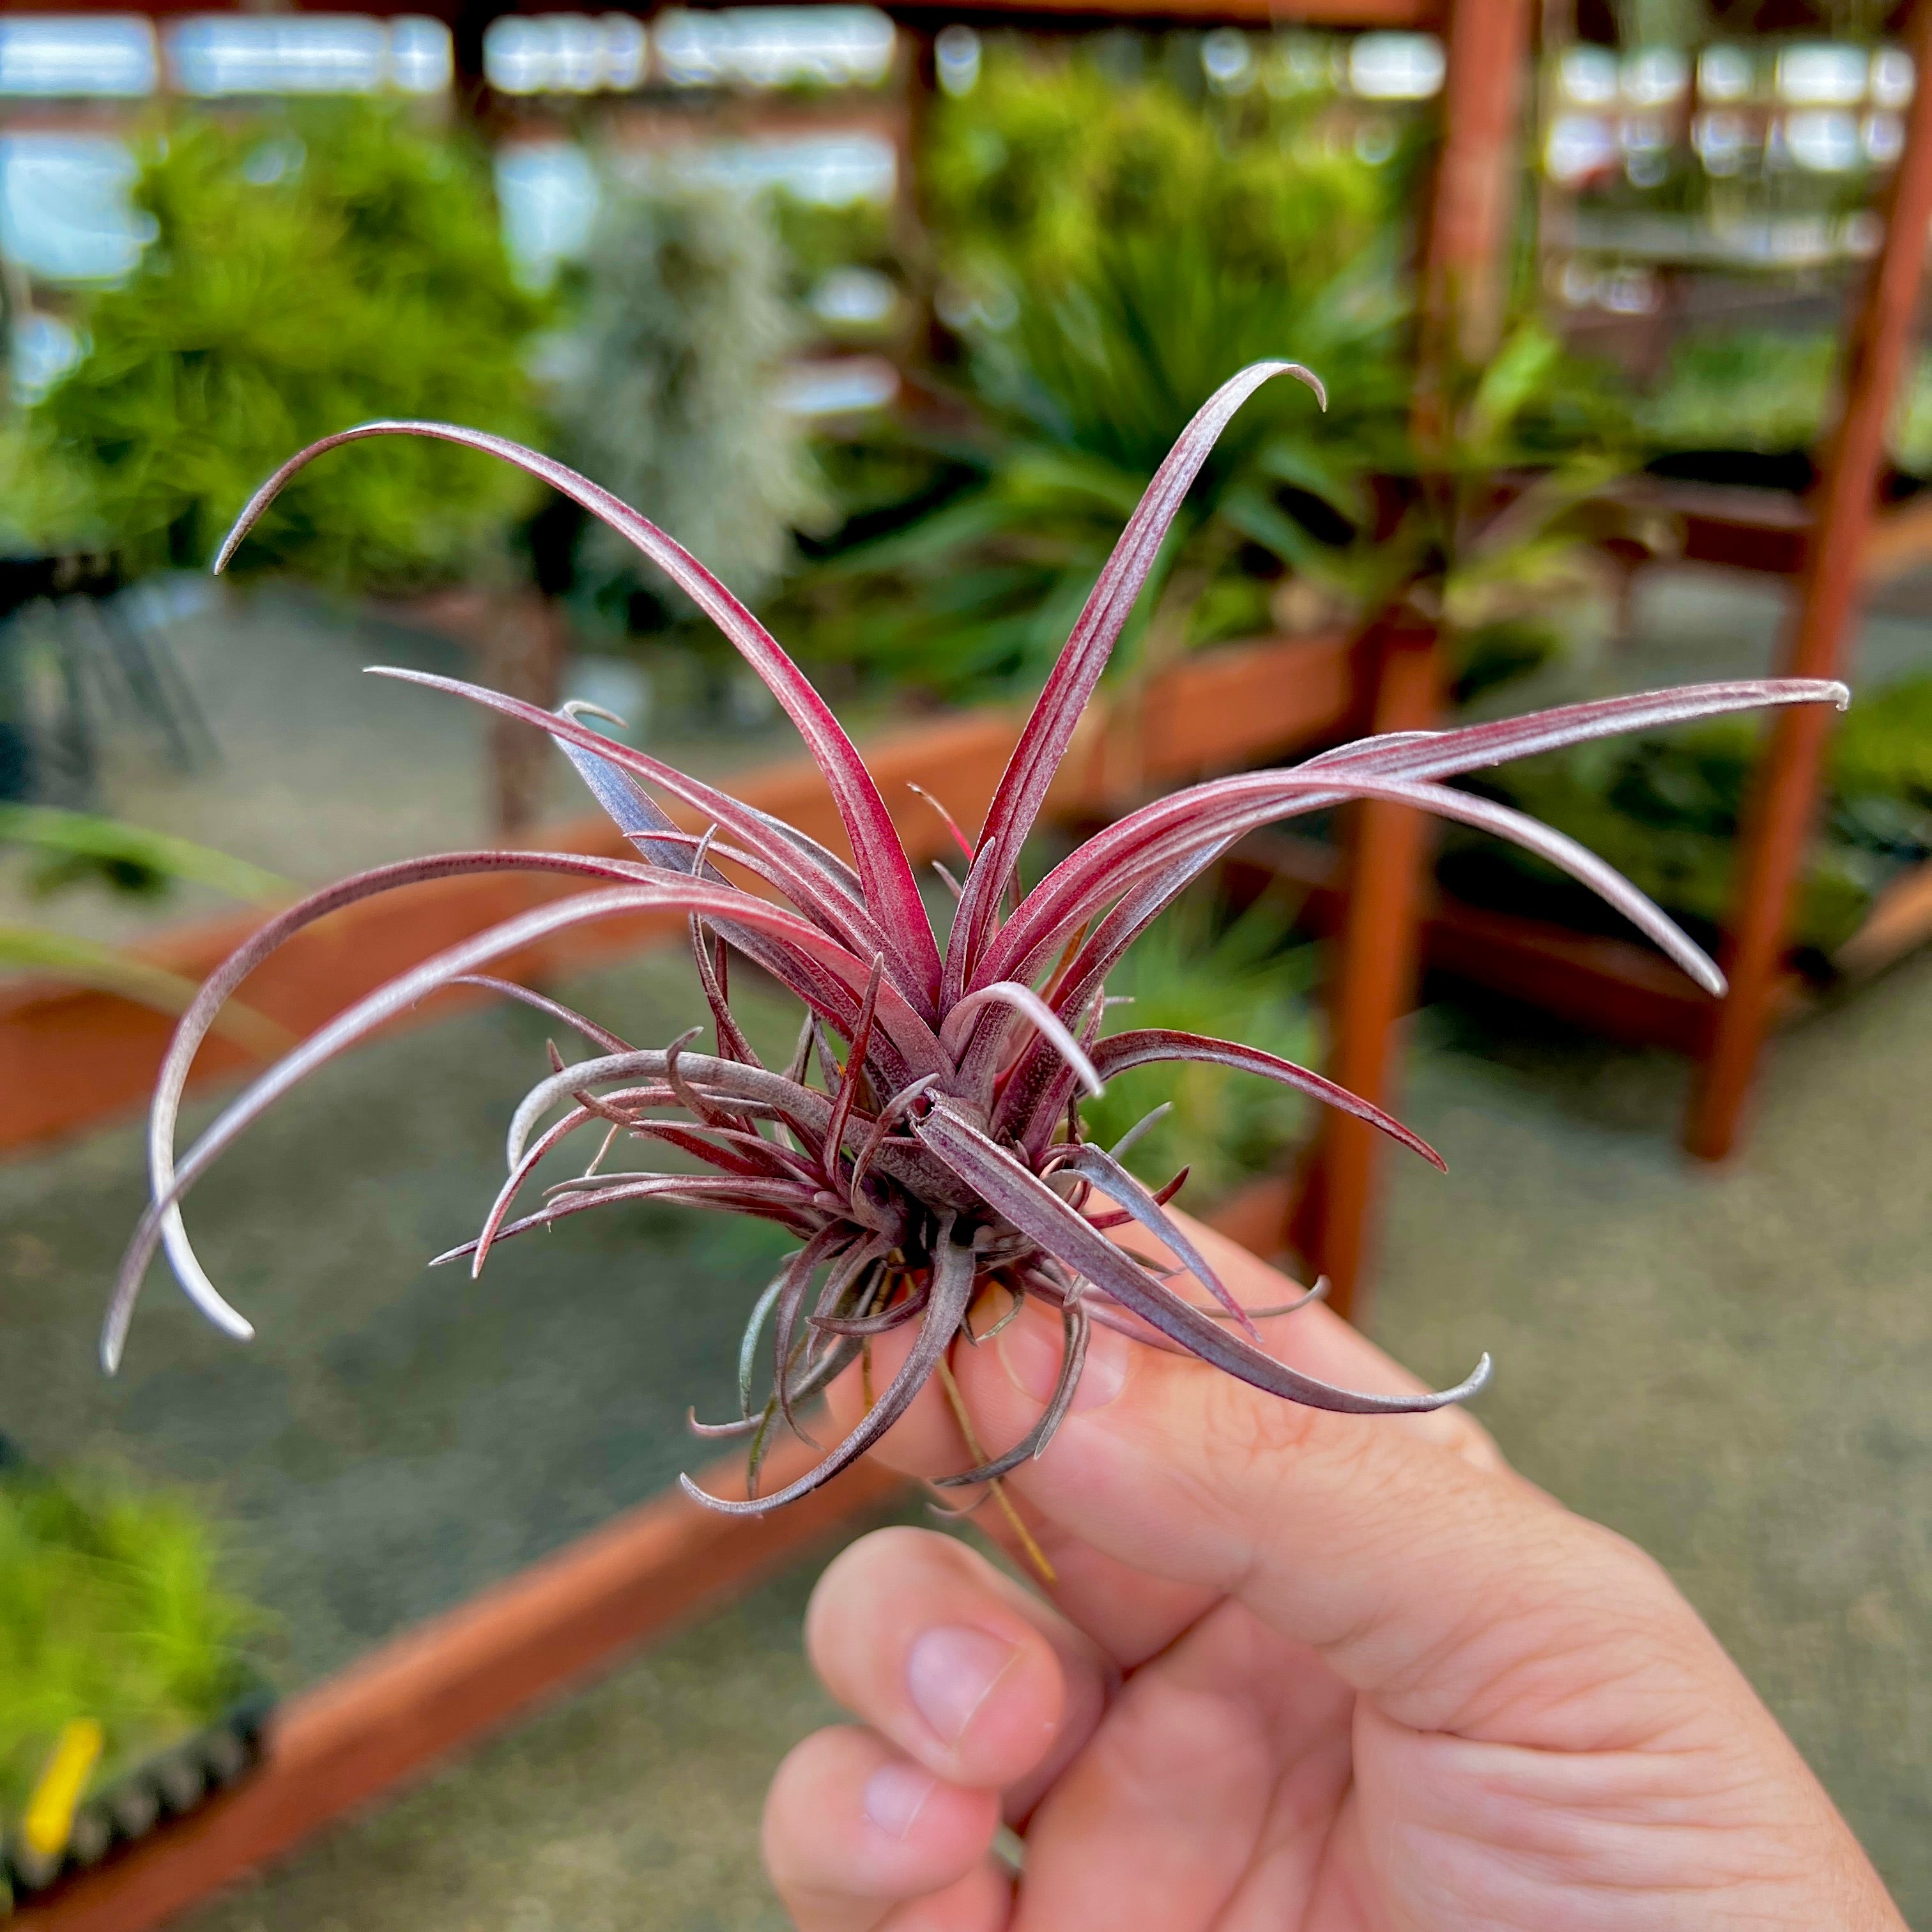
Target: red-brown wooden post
1373,971
1460,293
1778,827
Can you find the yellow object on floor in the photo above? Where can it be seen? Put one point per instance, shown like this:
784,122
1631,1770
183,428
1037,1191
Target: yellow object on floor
50,1810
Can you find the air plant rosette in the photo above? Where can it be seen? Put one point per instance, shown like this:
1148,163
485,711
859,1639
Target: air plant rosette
938,1155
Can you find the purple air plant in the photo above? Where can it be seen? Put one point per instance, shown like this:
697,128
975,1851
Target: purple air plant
941,1153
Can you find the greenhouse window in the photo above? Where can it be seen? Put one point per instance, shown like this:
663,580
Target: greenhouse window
955,55
548,192
1822,74
213,56
64,211
1589,75
1823,141
1655,76
78,55
775,46
566,53
831,170
1396,67
841,386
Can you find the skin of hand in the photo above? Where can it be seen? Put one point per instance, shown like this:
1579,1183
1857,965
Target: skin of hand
1299,1670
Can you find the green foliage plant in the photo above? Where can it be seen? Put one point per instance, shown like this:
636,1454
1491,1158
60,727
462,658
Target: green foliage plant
1768,390
1142,244
1032,179
114,1606
308,270
1493,518
1119,249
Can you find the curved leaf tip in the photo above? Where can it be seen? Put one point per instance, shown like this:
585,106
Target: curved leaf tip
1302,374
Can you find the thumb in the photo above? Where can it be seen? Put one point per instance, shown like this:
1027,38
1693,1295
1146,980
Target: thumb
1433,1580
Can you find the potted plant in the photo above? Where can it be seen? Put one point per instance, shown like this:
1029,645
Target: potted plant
1109,250
327,262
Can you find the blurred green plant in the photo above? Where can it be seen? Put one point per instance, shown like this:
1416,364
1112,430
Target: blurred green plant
1492,525
1031,179
112,1607
1196,972
1142,244
674,403
1768,390
318,267
65,850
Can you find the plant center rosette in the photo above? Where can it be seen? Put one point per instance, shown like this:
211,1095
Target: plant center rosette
938,1154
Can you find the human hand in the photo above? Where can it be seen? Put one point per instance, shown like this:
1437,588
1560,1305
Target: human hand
1300,1669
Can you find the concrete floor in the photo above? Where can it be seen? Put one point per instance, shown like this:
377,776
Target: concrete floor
1731,1367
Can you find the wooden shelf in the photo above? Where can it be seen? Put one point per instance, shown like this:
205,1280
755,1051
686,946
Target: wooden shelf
1769,531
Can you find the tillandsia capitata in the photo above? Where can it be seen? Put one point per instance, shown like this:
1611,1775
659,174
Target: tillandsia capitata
940,1153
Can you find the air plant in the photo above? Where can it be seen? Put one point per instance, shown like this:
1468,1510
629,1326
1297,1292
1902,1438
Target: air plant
940,1155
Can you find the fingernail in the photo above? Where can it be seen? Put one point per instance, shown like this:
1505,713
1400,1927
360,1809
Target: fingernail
895,1794
950,1672
1032,1349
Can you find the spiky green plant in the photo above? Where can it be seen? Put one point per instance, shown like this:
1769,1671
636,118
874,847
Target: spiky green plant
1123,248
943,1154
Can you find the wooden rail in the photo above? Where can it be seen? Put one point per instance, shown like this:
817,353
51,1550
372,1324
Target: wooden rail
71,1057
1769,532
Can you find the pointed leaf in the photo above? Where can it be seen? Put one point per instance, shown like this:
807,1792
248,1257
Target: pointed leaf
891,890
671,892
203,1015
778,857
1146,1045
1029,773
1032,1206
